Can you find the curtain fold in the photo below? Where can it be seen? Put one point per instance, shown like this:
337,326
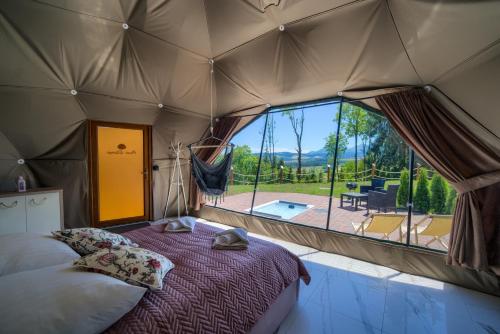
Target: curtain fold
472,167
224,129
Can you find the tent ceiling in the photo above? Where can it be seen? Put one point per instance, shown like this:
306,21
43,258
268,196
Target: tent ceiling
126,57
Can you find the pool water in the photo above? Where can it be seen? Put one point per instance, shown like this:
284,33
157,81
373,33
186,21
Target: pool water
281,209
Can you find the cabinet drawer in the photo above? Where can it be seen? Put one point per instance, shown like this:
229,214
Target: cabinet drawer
12,214
43,212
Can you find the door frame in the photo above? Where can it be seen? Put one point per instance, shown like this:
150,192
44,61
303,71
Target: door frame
94,179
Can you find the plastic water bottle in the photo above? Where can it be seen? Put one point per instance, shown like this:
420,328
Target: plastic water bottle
21,184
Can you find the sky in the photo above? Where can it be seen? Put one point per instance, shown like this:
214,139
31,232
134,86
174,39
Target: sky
319,123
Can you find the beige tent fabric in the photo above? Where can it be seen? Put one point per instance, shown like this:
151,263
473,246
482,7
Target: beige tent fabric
474,86
318,57
35,120
325,46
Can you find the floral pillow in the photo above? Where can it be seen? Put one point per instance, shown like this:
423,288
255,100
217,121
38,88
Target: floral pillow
133,265
89,240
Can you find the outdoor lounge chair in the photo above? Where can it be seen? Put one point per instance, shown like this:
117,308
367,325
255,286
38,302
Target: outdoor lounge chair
377,185
381,223
383,200
438,226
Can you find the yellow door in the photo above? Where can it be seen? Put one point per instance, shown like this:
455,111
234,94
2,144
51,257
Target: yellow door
122,174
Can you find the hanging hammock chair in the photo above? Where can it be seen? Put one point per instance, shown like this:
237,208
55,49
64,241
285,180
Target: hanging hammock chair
212,179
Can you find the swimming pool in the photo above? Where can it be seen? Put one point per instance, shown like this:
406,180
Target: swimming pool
279,209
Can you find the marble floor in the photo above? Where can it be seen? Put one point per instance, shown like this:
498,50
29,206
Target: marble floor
352,296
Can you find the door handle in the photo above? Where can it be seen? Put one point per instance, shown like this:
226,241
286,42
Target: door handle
8,206
35,203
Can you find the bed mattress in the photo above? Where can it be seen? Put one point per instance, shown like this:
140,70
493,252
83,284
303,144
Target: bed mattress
209,291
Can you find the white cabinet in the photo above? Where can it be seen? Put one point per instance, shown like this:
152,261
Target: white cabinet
38,211
12,214
43,213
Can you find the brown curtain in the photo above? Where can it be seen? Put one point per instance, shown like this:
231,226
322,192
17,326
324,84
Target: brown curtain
224,129
472,167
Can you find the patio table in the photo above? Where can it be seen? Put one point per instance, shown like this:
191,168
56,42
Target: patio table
355,198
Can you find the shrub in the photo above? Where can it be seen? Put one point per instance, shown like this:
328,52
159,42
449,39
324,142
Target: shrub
289,176
315,178
347,170
422,195
403,190
321,176
451,201
438,194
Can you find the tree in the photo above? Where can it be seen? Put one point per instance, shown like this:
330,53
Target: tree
422,195
354,122
244,161
404,189
270,142
451,201
438,194
290,175
385,147
297,120
330,144
321,175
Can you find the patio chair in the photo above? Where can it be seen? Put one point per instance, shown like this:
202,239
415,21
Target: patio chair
438,226
377,185
381,223
383,200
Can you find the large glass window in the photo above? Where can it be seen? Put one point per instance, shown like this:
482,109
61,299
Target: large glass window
240,188
434,202
336,165
293,181
371,159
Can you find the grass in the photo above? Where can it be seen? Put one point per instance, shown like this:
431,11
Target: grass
322,189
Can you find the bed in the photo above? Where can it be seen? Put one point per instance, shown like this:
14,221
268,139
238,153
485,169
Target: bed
214,291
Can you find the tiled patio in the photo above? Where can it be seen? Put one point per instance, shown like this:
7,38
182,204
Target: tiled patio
340,219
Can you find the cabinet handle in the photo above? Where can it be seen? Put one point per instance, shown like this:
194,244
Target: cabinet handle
35,203
7,206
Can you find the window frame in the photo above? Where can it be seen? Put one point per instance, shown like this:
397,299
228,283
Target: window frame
321,102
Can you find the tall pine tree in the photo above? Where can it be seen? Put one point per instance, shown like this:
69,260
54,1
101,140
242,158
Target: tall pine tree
422,200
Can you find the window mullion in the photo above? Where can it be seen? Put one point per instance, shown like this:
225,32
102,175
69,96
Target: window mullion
334,164
259,164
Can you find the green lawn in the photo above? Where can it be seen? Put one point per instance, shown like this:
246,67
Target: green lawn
322,189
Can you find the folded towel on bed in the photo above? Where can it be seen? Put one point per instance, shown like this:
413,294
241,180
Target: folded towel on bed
182,224
232,239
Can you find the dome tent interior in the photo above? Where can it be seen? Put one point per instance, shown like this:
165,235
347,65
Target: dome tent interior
178,65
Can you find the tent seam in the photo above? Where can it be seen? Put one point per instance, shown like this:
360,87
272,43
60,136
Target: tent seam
222,54
208,29
402,43
467,60
238,85
118,22
36,51
153,104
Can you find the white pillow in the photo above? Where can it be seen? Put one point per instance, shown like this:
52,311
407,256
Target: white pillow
28,251
62,299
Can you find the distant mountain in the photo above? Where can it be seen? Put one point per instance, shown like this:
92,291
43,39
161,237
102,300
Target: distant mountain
350,152
314,158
